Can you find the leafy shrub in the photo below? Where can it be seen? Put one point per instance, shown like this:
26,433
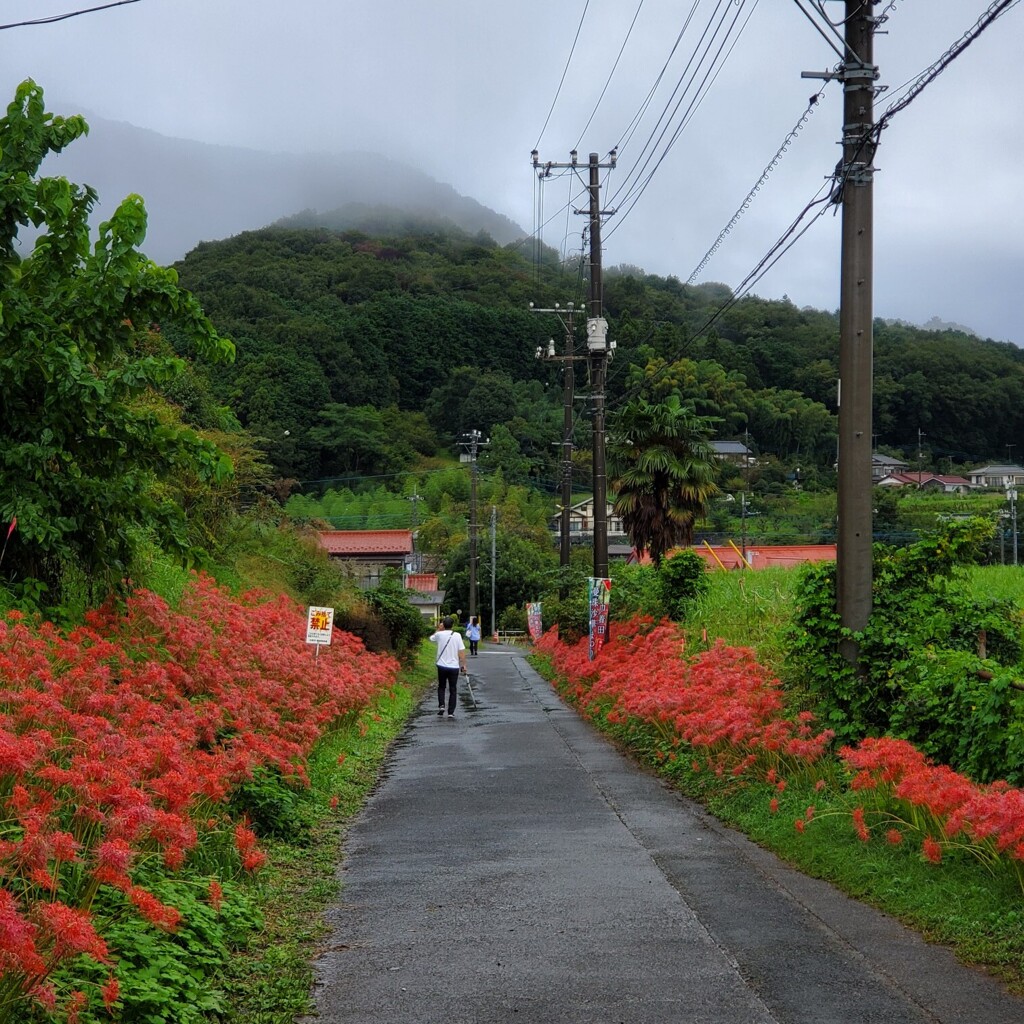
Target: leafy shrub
365,624
404,622
272,805
683,579
513,617
163,975
923,673
636,590
571,614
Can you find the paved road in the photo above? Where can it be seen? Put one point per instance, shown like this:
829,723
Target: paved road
512,866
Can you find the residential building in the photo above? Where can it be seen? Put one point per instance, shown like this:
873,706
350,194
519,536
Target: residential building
928,482
885,465
581,524
367,553
423,593
996,476
733,451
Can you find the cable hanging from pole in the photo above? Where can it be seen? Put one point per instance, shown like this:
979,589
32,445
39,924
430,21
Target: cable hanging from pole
745,205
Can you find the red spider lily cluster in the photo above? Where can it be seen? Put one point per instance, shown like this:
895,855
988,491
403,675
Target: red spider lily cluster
725,706
122,740
718,701
937,801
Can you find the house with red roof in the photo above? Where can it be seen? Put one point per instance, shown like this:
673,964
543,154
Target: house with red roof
423,593
928,482
365,554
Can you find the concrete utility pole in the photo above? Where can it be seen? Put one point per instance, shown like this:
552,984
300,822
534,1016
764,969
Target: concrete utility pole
598,347
417,559
568,386
472,444
494,564
855,176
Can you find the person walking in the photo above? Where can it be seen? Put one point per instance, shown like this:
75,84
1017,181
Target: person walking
473,634
451,659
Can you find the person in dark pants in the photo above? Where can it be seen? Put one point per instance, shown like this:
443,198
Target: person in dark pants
473,634
450,660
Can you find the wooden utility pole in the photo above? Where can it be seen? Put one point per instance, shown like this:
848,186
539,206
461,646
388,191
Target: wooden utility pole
854,563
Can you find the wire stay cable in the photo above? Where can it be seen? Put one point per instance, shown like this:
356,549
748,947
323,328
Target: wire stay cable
745,205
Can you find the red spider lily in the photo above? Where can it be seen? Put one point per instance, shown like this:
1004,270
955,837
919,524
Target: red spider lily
719,699
110,993
119,738
216,894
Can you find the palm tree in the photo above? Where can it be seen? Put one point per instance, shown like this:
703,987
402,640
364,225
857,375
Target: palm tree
663,471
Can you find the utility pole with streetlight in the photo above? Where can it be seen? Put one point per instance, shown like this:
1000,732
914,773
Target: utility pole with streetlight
472,444
599,348
565,315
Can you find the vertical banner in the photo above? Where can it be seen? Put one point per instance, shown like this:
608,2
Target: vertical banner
599,592
533,620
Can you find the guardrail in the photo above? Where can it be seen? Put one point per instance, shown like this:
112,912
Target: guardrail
513,637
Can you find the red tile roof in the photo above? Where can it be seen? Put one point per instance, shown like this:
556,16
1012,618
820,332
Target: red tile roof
759,556
423,581
366,542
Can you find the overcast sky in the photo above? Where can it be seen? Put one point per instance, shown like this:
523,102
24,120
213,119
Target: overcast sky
462,89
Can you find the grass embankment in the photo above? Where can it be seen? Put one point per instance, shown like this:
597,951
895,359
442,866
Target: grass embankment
271,981
976,909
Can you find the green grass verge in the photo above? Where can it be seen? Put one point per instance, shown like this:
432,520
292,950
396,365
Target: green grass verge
747,609
270,982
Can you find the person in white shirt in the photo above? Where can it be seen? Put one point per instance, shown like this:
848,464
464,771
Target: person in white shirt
450,661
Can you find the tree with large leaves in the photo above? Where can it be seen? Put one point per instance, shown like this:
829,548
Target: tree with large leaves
84,450
662,470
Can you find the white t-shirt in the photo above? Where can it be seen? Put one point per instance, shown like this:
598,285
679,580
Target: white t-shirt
449,643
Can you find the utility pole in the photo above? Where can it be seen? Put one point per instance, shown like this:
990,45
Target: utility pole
472,444
599,349
855,176
568,386
743,495
494,563
416,557
1011,497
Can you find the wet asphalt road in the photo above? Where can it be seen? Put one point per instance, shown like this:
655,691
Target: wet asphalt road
512,866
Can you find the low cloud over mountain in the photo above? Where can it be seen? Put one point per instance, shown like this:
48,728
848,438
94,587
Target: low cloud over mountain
198,192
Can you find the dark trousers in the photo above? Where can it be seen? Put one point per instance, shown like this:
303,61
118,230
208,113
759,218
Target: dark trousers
449,676
472,646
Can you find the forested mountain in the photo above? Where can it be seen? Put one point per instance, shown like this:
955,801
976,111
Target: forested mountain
359,351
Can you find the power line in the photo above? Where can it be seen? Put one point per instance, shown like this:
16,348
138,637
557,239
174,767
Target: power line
650,145
925,78
610,74
561,82
634,122
831,24
710,76
63,17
